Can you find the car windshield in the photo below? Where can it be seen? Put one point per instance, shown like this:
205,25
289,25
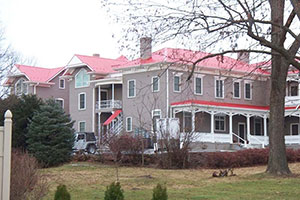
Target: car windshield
90,137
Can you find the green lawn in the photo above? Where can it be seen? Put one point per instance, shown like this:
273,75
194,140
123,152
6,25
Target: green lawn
87,181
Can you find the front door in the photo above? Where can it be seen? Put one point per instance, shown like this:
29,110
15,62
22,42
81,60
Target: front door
242,131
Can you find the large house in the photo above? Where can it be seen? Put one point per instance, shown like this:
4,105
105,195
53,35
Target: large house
225,101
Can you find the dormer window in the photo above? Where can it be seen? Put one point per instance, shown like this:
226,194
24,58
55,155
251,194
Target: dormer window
82,79
21,87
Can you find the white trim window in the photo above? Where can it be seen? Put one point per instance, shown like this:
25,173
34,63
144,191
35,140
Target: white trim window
21,87
82,79
155,84
60,101
257,126
81,126
248,90
156,114
82,101
198,85
237,89
294,129
177,82
219,88
128,124
220,123
131,88
61,83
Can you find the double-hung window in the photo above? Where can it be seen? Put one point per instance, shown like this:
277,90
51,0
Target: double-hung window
257,126
60,102
61,83
81,126
236,90
131,89
219,88
128,124
177,83
82,101
294,130
155,84
219,123
248,90
198,85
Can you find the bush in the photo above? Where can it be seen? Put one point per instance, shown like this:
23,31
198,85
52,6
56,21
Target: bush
114,192
62,193
26,182
160,193
50,135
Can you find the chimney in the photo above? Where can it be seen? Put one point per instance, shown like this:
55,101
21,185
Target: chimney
96,55
145,48
243,56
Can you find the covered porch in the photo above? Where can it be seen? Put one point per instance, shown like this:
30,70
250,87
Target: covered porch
217,122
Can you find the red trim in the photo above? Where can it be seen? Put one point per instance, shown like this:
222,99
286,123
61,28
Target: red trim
222,104
113,116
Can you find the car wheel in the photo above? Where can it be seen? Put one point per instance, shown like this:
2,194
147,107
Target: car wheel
91,149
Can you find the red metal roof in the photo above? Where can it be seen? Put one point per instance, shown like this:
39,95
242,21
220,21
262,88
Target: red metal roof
112,117
188,57
102,65
38,74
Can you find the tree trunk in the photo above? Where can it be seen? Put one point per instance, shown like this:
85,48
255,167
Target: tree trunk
277,163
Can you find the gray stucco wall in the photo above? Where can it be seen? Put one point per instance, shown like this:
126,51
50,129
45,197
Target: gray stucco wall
140,107
145,100
208,93
81,115
55,92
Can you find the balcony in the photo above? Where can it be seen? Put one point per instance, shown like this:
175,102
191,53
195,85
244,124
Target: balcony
108,105
292,100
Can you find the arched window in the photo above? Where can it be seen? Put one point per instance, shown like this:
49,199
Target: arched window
82,79
21,87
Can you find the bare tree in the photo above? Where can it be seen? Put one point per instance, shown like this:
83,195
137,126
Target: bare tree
268,28
7,60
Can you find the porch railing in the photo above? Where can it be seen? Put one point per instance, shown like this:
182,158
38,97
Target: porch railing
108,104
244,141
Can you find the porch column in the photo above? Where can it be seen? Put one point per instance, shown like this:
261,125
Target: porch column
99,128
212,124
248,128
99,96
193,120
265,129
298,89
230,127
113,91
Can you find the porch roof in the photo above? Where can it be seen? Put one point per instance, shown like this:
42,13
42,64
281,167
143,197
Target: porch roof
225,104
112,117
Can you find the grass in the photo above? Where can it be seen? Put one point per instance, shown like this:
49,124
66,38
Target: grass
88,181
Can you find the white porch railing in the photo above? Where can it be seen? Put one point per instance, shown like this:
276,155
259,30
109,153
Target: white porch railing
116,127
209,137
292,100
259,140
108,104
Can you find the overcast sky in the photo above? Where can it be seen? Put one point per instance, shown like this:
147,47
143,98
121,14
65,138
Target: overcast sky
52,31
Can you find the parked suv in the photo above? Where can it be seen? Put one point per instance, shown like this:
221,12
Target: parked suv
85,141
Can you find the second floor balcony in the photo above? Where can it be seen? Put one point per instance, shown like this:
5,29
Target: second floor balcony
108,104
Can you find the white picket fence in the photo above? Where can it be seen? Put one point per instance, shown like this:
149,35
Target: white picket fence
5,155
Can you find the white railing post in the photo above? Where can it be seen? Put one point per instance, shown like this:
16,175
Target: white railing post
6,145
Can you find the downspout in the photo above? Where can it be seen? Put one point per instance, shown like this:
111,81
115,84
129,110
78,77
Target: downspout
34,88
167,81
